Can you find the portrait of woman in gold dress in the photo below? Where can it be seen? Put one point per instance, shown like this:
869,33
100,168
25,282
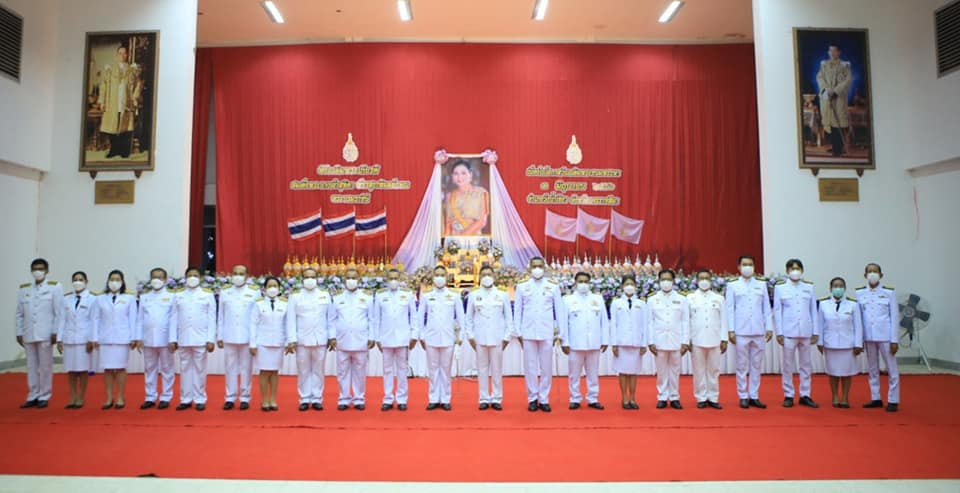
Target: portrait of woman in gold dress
466,204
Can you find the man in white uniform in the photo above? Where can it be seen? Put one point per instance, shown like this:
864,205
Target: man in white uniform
353,312
310,315
39,315
537,308
488,326
750,327
155,321
708,340
233,336
881,317
195,310
668,323
796,323
584,334
395,331
441,310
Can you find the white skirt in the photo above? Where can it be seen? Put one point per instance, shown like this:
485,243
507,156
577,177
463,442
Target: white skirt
76,358
114,356
269,358
629,361
840,362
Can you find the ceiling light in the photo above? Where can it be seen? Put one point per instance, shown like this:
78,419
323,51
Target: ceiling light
671,11
273,11
540,9
406,13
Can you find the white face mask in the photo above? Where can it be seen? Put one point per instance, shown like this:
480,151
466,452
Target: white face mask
39,275
114,286
273,291
351,284
439,281
583,288
704,284
238,280
746,270
486,281
666,285
873,278
193,281
310,283
156,284
795,274
393,284
79,286
629,290
536,272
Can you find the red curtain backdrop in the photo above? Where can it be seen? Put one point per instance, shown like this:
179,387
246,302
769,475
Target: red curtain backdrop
198,155
680,121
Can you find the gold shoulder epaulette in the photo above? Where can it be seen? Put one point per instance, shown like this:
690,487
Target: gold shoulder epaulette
552,280
858,288
781,281
25,285
253,286
367,291
96,293
283,298
851,298
207,290
760,278
69,294
806,281
503,288
887,287
684,293
426,289
731,279
825,298
131,292
53,283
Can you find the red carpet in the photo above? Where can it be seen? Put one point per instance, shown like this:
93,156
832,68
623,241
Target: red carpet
469,445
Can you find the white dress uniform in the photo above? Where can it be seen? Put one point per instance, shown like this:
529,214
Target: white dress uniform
708,328
269,332
77,330
234,311
628,331
115,328
394,325
795,318
584,329
489,322
881,316
310,315
748,317
195,314
353,314
39,314
842,331
668,327
538,306
155,321
440,311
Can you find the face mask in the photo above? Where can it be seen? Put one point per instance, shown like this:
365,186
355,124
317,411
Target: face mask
114,286
629,290
746,270
310,283
795,274
873,278
838,292
666,285
39,275
393,284
536,272
583,288
704,284
440,281
156,284
193,282
486,281
350,284
79,286
273,291
238,280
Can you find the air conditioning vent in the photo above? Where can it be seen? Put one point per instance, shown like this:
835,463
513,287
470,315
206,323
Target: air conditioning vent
947,25
11,43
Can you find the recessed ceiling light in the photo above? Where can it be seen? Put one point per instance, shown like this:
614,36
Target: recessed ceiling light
272,11
540,9
671,11
406,12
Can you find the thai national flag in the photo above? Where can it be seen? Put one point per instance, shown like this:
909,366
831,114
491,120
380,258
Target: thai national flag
305,226
368,226
340,225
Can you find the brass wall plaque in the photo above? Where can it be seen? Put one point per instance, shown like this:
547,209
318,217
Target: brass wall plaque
839,189
113,192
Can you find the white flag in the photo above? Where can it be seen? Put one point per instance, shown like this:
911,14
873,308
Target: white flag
560,227
625,228
592,227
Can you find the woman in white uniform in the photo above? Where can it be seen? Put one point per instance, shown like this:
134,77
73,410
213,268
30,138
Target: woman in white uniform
270,340
842,340
75,338
628,335
114,333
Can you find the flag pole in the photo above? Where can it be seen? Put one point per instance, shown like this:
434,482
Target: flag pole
385,261
577,248
353,256
546,246
610,236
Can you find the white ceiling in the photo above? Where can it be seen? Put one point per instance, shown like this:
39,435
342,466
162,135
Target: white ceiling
244,22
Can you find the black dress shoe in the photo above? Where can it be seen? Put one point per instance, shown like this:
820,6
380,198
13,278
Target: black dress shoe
873,404
595,405
182,406
274,408
807,401
227,406
788,402
303,406
41,404
401,407
70,406
386,407
625,405
496,406
544,407
715,405
244,406
744,403
757,404
675,405
446,407
843,405
574,405
432,406
106,406
359,407
147,405
117,406
484,406
265,409
634,406
532,406
30,403
165,404
342,407
836,404
701,405
893,407
661,404
201,407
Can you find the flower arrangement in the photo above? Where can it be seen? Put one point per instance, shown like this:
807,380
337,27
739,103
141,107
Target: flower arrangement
452,246
440,157
484,246
489,156
217,282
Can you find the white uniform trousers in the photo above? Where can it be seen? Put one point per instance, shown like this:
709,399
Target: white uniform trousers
239,365
158,361
439,364
706,373
193,375
311,361
396,364
749,361
794,348
668,375
875,351
490,367
39,370
538,362
352,376
587,362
